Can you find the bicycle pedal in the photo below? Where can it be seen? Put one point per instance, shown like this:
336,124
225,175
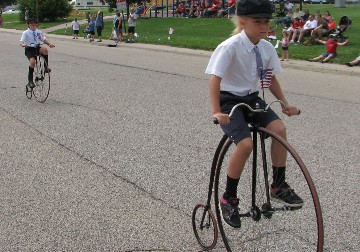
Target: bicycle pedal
295,208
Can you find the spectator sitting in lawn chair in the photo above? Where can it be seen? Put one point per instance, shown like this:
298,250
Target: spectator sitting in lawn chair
322,28
298,13
211,11
231,7
287,20
306,15
295,29
180,10
310,25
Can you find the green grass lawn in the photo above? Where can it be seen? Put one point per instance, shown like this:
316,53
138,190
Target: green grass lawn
207,33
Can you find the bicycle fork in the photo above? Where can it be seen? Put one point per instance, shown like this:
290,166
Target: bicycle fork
266,209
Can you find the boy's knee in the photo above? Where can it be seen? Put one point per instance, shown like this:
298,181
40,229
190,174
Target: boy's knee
278,127
281,130
246,145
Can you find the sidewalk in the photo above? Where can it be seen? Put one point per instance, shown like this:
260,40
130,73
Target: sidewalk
293,64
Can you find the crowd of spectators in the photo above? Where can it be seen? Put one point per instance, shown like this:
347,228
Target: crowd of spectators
199,9
299,24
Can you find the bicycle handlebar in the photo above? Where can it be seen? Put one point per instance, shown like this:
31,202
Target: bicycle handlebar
37,45
256,110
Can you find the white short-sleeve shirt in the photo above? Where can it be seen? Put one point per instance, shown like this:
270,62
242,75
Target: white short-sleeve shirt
31,38
310,24
234,62
75,25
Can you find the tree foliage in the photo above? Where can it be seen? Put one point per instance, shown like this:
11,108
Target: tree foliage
112,3
4,3
47,9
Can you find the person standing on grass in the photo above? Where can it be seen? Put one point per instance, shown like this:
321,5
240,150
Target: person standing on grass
236,68
26,14
285,45
118,27
132,24
99,23
76,27
92,29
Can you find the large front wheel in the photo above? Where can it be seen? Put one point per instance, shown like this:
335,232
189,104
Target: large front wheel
270,226
41,80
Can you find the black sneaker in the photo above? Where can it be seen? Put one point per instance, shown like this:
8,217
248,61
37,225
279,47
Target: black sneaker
349,64
30,84
286,196
230,211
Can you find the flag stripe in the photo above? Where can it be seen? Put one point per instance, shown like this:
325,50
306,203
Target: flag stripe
265,80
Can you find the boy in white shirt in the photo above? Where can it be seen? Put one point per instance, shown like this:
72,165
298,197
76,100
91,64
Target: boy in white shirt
30,40
235,77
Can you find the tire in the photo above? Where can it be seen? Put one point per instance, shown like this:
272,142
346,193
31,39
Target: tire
204,226
275,228
28,92
41,80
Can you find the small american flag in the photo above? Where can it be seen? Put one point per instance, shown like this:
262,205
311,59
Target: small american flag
265,78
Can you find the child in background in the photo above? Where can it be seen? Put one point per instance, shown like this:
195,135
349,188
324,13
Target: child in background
285,46
76,27
331,45
92,29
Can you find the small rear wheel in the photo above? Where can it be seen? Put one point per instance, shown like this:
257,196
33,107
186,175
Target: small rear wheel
42,80
28,92
204,226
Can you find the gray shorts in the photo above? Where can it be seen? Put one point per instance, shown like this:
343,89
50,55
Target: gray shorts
238,128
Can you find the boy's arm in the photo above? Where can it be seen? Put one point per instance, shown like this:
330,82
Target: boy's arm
276,90
48,43
343,43
214,91
23,44
320,41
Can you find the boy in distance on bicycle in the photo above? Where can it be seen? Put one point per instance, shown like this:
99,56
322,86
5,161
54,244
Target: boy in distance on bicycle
30,40
235,68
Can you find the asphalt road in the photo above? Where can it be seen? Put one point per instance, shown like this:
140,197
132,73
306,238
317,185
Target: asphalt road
119,154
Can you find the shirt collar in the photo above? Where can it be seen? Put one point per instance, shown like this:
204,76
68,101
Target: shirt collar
32,31
246,41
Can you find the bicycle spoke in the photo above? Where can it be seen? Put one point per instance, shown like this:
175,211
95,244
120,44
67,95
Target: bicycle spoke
42,81
279,228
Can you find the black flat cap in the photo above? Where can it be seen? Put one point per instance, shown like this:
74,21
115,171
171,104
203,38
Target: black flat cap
254,8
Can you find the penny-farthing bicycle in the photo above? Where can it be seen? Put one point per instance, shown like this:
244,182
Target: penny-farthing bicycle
41,79
266,225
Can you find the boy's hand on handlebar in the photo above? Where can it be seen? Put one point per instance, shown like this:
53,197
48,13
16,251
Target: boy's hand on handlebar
221,118
291,110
